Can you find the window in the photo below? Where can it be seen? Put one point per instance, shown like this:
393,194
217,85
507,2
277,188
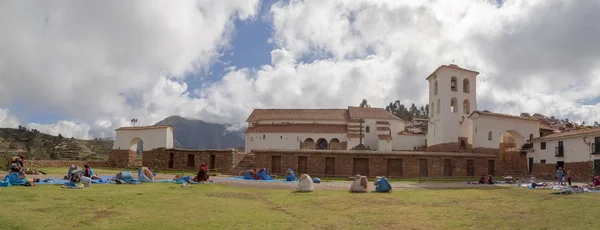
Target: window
466,106
251,138
543,145
489,135
531,136
280,137
597,145
435,88
453,84
542,161
367,129
264,137
437,109
453,105
466,87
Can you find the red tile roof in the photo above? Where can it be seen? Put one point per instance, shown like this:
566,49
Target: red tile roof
592,131
383,128
370,113
298,114
384,137
382,122
297,128
451,66
487,113
355,135
145,127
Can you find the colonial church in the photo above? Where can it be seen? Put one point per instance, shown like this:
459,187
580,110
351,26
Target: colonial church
454,125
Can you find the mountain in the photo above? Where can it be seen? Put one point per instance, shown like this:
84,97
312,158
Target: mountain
40,146
197,134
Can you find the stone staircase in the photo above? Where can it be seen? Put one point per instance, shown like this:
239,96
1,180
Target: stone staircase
245,164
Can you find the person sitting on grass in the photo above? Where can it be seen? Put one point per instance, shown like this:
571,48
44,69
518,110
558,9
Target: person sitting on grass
382,184
360,184
305,184
482,179
72,169
203,174
290,175
89,172
490,180
595,183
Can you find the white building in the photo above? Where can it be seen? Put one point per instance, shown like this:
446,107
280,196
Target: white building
456,122
328,129
152,137
567,147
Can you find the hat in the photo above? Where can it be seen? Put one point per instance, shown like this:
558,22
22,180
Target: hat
597,177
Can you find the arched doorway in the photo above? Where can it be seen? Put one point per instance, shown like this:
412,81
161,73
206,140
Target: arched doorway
309,143
510,147
335,144
137,145
322,144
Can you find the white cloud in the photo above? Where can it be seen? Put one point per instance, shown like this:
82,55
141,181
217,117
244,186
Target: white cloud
106,63
64,128
8,121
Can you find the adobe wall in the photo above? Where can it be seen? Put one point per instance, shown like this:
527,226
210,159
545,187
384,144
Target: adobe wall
377,162
34,164
580,171
225,159
122,158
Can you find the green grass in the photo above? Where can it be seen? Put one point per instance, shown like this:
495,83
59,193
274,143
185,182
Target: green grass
113,171
215,206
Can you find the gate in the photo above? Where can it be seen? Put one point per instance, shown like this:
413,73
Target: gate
329,166
423,168
360,166
302,165
447,167
394,167
470,168
276,164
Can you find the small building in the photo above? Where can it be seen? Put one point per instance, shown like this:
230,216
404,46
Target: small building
320,129
578,151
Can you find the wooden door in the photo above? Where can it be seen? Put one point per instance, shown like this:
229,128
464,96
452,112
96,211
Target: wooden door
360,166
395,168
302,165
491,167
329,166
211,163
447,167
423,168
597,167
171,158
470,168
276,164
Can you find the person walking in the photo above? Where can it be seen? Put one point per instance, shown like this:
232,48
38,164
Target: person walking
569,177
560,174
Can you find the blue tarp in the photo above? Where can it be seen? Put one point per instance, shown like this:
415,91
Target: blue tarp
291,176
264,174
13,179
248,176
143,178
316,180
383,185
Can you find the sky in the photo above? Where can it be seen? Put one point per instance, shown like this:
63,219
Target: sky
85,68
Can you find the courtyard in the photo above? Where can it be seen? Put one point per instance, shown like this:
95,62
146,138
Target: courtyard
231,204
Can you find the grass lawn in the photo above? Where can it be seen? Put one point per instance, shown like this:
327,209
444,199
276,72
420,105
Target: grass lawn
215,206
114,171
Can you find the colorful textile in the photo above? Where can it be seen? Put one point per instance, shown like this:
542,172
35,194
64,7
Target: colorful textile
382,185
15,178
290,175
263,174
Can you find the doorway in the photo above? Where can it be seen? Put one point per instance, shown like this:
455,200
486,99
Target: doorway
447,167
463,145
329,166
423,169
394,167
171,157
530,163
597,167
276,164
560,164
211,163
491,167
302,165
470,168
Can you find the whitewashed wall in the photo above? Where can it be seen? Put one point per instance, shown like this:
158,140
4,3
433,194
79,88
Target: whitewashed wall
408,142
286,140
575,150
498,125
152,139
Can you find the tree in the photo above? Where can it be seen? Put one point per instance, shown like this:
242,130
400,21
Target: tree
60,137
364,104
525,115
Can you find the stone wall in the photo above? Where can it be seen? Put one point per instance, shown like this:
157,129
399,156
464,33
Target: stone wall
580,171
34,164
191,159
344,162
122,158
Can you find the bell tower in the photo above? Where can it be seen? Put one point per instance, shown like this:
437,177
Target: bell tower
452,98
